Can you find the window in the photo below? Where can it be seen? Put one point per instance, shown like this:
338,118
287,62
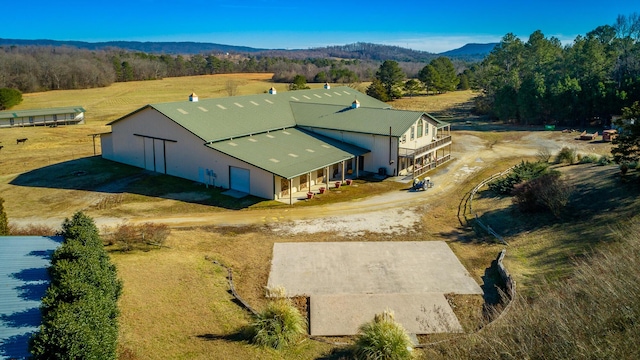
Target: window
420,128
404,138
12,122
30,119
413,133
55,117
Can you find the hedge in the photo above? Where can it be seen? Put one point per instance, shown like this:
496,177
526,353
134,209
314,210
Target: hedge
79,309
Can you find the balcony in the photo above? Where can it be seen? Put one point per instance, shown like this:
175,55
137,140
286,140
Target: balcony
404,152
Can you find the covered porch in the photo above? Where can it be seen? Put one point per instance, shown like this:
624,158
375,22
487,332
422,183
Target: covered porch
319,181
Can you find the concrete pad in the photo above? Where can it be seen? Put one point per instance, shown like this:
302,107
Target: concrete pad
335,315
369,268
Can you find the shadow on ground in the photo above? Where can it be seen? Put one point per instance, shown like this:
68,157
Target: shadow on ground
99,175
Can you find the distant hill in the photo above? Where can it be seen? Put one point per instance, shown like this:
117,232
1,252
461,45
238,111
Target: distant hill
360,50
182,47
471,49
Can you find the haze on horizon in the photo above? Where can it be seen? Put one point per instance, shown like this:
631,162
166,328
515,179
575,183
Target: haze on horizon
433,27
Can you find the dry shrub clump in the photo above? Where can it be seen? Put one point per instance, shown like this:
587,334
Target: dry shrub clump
130,236
547,192
32,230
383,338
566,155
595,314
279,325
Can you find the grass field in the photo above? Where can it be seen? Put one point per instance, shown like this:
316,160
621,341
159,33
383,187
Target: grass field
175,303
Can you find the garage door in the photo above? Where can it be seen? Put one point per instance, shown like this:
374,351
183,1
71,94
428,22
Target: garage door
239,179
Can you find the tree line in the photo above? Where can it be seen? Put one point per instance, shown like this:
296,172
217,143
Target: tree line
540,81
43,68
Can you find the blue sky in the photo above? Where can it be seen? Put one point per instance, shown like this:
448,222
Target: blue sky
433,26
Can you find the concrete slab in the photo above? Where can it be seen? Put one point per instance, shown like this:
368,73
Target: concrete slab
335,315
369,268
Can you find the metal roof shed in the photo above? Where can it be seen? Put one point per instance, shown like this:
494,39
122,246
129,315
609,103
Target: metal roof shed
23,282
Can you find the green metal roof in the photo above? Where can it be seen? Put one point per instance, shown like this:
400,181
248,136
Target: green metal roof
23,281
229,117
362,119
288,153
40,112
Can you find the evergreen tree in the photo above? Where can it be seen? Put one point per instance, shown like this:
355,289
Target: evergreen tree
627,149
299,83
377,90
9,98
429,76
412,86
391,77
447,76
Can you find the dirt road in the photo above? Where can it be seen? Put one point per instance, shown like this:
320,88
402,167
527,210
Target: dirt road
393,212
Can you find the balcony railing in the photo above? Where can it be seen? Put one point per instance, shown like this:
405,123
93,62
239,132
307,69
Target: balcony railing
431,165
404,152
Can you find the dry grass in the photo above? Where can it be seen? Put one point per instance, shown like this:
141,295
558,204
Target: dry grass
175,304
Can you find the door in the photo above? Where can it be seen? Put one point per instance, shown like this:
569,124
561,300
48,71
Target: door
149,159
159,157
239,179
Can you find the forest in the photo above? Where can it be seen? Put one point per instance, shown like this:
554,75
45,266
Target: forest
537,81
540,81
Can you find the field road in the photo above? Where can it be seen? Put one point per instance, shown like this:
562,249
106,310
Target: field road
392,212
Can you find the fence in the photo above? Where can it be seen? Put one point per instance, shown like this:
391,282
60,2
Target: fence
468,202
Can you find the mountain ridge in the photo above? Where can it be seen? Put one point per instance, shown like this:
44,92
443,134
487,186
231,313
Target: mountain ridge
359,50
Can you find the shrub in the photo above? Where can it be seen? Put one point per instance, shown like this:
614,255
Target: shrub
545,192
126,235
4,225
130,236
588,159
383,338
279,325
9,98
566,155
543,155
524,171
604,160
32,230
154,234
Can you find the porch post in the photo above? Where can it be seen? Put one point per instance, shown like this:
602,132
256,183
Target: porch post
309,180
342,170
357,166
326,178
290,191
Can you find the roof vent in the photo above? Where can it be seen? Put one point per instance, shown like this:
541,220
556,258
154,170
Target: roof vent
327,86
193,97
272,91
355,104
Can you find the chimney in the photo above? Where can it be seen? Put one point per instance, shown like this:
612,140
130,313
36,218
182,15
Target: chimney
193,97
355,104
327,86
272,91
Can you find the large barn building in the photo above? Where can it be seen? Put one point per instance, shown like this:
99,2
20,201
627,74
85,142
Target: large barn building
274,144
